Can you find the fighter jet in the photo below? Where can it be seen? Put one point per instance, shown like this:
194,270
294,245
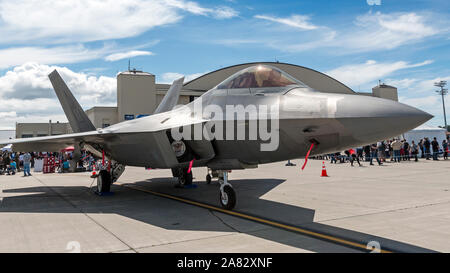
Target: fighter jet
258,115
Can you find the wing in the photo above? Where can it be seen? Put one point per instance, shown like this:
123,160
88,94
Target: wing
139,142
55,143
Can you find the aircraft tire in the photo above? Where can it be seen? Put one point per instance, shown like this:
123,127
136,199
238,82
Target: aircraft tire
188,177
104,181
185,178
230,198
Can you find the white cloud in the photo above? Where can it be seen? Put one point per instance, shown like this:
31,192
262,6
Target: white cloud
169,77
401,83
368,32
26,93
222,12
296,21
53,55
420,93
370,71
417,86
126,55
375,31
92,20
431,104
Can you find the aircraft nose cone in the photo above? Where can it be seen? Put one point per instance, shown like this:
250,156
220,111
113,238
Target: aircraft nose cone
372,119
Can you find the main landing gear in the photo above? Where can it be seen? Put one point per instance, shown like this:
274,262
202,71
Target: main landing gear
104,182
227,196
184,177
105,178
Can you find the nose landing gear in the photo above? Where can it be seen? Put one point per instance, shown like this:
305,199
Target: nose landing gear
227,196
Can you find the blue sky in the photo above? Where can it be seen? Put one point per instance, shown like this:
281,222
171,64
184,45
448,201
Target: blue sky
402,43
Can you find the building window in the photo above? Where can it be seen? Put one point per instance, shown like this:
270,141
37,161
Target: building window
40,135
27,135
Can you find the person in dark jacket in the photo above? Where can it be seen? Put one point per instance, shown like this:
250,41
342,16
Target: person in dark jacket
422,153
435,145
426,145
367,153
414,150
445,148
374,154
406,150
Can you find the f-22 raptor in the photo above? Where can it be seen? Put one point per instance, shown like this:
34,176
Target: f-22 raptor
258,115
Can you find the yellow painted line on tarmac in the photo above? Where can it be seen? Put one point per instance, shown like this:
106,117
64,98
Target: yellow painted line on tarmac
253,218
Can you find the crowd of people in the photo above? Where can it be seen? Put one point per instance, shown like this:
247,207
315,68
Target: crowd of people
12,163
395,150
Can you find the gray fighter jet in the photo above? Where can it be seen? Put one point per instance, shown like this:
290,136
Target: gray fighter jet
258,115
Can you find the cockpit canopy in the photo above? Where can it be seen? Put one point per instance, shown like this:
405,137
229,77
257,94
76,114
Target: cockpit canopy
259,76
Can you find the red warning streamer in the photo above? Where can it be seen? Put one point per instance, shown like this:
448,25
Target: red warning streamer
190,165
307,155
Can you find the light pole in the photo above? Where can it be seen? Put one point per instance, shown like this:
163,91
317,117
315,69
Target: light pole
442,92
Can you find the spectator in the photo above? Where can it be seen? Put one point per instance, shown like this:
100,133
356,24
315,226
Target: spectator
422,153
445,148
396,146
406,150
65,166
353,157
359,153
12,168
367,153
333,158
374,154
435,145
6,161
2,165
26,164
427,145
387,150
381,147
414,150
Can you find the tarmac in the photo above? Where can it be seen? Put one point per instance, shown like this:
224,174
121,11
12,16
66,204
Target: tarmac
397,207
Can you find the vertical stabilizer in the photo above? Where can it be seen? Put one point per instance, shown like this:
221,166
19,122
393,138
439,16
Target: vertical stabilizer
78,119
171,98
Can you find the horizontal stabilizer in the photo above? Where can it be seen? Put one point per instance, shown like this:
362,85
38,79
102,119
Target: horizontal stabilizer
78,119
171,98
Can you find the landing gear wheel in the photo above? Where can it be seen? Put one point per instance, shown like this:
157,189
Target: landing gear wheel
104,181
185,178
208,179
227,197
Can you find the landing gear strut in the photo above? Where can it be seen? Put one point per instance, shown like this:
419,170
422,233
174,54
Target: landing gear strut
227,196
104,181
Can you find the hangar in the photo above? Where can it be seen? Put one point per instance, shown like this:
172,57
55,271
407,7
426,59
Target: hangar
138,95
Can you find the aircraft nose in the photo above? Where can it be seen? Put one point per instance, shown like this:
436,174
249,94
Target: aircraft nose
372,119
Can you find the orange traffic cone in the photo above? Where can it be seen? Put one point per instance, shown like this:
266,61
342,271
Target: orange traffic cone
94,172
324,170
